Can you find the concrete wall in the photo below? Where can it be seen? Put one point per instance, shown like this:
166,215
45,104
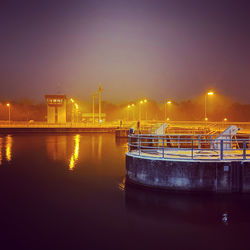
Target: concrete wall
61,111
51,114
224,177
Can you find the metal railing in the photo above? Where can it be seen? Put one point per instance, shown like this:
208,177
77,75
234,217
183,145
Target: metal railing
189,147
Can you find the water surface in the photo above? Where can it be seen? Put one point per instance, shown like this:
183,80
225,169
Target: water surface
67,192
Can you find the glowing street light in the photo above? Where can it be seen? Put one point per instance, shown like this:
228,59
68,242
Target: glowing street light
169,102
74,110
140,103
8,105
225,119
209,93
128,107
133,110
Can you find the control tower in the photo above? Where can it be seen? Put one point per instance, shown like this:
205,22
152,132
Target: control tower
56,108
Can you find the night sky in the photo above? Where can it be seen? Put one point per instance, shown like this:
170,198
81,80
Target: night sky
154,49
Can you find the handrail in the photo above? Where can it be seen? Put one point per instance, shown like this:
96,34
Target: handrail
188,147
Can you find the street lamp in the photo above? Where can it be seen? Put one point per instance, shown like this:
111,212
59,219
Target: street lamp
145,101
140,103
8,105
133,107
129,106
210,93
165,108
76,107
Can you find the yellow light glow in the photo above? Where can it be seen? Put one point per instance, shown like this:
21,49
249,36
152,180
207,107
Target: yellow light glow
1,150
72,100
206,119
76,105
133,105
210,93
168,119
145,101
225,119
7,104
129,106
8,147
169,102
141,102
74,156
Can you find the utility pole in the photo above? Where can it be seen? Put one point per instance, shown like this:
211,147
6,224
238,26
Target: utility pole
100,100
93,108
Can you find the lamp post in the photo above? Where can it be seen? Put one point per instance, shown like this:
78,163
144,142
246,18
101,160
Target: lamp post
77,115
72,110
8,105
140,103
165,108
128,107
133,107
93,106
210,93
145,101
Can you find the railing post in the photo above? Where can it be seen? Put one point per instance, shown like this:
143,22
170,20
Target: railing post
192,149
129,142
139,144
244,149
221,149
162,147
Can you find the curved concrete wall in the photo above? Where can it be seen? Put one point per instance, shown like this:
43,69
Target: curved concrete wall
214,176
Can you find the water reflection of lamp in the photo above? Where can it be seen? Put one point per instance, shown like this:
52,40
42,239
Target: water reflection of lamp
99,146
8,147
75,154
1,146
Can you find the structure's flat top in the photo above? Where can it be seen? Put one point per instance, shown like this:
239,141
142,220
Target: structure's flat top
56,96
189,154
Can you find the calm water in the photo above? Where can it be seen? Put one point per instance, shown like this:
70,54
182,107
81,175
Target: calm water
68,192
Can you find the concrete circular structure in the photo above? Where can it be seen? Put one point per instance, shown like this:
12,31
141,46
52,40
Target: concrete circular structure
163,169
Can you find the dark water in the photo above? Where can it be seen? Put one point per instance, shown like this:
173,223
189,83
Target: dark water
68,192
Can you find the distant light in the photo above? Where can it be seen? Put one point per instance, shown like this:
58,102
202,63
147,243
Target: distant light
76,105
7,104
210,93
72,100
100,120
225,119
168,119
169,102
133,105
141,102
145,101
129,106
206,119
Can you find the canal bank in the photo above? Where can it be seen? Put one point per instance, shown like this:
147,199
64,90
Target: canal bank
50,129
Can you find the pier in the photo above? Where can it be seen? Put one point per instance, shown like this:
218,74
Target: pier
198,162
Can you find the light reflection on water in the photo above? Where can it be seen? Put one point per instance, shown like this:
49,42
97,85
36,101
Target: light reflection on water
6,149
98,202
75,154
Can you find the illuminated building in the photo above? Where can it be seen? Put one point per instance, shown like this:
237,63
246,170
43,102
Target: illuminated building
56,108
